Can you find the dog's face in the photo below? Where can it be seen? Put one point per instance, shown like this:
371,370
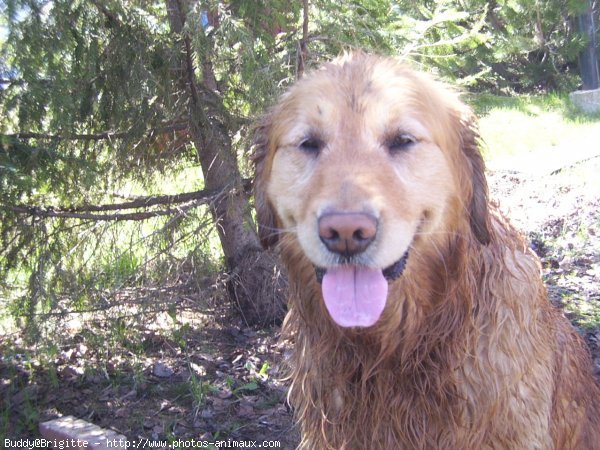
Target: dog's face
358,160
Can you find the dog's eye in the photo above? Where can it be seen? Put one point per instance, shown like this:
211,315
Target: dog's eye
311,145
400,142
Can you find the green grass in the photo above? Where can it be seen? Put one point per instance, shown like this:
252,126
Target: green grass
198,390
531,105
513,126
586,314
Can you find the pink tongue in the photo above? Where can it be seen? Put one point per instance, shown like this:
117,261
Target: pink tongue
354,296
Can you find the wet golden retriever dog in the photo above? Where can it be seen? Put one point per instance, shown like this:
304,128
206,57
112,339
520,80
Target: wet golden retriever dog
417,312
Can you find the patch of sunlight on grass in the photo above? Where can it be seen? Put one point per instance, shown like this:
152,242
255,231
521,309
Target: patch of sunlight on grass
512,126
7,324
186,179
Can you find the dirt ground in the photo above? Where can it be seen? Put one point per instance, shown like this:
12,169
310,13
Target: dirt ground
558,209
217,380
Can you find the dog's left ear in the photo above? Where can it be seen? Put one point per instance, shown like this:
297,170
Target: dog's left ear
478,207
265,215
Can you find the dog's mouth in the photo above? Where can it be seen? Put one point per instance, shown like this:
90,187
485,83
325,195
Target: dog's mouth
355,296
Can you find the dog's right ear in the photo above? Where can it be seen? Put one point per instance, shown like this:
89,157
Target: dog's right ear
478,208
265,215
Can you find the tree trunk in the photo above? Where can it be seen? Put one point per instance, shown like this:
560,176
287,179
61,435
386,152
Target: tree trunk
255,283
590,72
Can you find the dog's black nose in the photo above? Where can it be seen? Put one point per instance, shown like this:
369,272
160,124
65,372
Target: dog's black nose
347,233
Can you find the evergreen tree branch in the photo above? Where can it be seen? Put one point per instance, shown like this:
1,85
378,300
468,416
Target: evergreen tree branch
21,81
96,136
175,204
110,16
36,211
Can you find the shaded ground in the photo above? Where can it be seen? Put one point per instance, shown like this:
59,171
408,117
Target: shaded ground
199,374
206,380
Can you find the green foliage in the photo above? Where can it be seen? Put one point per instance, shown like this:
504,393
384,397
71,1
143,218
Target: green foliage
505,45
355,24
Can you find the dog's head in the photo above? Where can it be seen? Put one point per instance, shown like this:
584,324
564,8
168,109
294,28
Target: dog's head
357,161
